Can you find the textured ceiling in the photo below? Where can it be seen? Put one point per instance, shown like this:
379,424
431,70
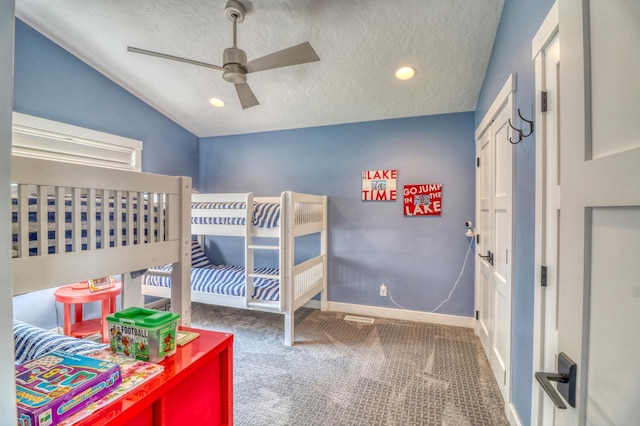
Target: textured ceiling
360,44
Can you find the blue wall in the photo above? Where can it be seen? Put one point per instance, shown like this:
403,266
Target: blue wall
419,258
512,54
51,83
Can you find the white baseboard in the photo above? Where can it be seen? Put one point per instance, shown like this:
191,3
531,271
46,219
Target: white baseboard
401,314
376,311
512,415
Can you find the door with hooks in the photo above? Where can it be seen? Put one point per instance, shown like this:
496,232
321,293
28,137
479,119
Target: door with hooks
494,217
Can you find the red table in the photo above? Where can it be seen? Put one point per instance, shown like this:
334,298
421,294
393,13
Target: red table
195,388
77,294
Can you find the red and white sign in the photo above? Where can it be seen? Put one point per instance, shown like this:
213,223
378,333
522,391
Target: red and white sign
423,200
379,185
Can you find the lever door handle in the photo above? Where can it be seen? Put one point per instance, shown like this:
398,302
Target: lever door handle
488,257
566,379
545,380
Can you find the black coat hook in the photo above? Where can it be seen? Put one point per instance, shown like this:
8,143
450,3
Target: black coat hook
519,134
530,124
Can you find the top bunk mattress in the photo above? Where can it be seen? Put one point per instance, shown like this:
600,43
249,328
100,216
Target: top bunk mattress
105,232
265,215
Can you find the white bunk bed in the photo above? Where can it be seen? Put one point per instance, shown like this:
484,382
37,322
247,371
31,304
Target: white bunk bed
276,220
44,191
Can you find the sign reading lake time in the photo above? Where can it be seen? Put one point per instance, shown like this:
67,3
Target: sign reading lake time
423,200
379,185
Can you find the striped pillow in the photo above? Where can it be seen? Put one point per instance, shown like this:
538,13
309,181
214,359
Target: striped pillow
32,342
198,258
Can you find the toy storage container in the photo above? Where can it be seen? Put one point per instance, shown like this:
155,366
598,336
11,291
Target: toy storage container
144,334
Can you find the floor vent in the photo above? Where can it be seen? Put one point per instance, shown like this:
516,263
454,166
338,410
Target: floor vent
358,319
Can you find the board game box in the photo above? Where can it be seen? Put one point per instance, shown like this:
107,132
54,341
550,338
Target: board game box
53,387
134,373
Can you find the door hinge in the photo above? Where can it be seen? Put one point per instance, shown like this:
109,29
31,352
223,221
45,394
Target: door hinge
543,276
477,314
477,161
543,101
477,238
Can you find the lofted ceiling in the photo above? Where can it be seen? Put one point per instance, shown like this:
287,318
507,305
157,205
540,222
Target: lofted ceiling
360,44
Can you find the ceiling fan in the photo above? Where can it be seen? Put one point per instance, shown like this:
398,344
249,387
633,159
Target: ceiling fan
236,67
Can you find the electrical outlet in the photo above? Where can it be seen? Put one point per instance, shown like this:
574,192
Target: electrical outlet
383,290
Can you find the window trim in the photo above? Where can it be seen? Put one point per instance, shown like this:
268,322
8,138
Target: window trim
37,137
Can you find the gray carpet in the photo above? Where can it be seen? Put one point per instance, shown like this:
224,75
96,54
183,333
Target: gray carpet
348,373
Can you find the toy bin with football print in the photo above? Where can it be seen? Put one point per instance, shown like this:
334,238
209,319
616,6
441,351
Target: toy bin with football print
144,334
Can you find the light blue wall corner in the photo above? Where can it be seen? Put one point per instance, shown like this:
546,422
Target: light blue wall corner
512,54
419,258
51,83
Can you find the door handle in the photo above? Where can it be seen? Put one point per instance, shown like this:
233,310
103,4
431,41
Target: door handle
488,257
545,380
566,379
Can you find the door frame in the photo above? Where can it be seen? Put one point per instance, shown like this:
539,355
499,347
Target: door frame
505,95
547,32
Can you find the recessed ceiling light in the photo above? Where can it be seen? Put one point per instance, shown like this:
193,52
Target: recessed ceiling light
217,102
405,73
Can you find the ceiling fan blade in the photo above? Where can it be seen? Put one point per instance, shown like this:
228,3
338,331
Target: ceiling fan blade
247,98
173,58
294,55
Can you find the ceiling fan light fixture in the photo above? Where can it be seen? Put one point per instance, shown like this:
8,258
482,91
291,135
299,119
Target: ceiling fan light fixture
405,73
217,102
234,74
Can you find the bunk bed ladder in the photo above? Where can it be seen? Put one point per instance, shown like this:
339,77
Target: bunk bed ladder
286,264
250,251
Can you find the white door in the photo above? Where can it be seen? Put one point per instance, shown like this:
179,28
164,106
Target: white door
599,247
546,53
484,272
494,215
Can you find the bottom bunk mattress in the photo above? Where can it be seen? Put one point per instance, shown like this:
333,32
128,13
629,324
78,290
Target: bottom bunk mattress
224,280
33,342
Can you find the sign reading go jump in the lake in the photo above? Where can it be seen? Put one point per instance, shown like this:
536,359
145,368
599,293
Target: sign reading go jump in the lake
423,200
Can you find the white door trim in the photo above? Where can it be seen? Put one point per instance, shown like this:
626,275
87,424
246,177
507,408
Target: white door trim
545,35
504,102
508,88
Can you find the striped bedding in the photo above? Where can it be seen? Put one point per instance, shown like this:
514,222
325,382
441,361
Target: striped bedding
32,342
265,215
223,279
51,219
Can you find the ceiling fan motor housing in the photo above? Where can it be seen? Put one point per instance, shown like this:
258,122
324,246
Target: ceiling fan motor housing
236,67
232,59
